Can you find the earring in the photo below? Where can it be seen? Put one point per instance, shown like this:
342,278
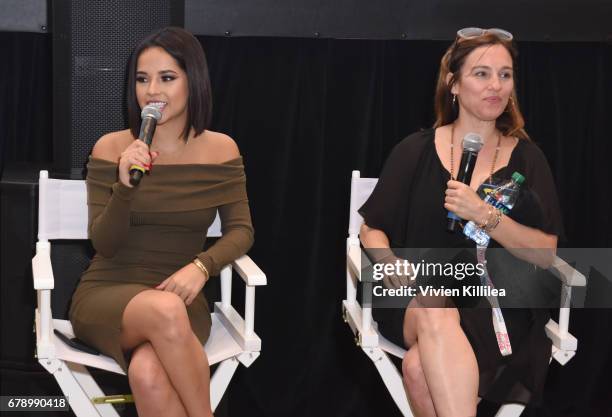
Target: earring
454,99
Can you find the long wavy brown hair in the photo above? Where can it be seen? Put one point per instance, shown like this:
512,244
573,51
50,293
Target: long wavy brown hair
511,121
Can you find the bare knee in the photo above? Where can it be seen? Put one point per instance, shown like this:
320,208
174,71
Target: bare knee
169,319
412,369
436,321
146,374
154,316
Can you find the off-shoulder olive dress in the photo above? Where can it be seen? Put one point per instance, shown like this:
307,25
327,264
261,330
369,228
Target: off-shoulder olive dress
144,234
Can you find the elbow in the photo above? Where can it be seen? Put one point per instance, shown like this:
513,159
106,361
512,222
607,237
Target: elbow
106,251
547,251
102,246
365,233
249,238
242,237
545,258
363,229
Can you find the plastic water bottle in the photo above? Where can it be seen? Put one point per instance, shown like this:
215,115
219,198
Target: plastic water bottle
503,198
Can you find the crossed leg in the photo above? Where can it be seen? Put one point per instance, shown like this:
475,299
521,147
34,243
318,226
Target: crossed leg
440,369
416,385
159,319
151,387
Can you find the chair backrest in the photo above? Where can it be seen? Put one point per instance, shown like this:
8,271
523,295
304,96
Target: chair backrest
361,188
62,210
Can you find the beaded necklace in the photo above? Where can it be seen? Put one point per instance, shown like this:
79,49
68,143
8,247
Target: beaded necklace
452,159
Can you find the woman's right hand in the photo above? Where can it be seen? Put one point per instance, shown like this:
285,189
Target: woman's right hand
135,154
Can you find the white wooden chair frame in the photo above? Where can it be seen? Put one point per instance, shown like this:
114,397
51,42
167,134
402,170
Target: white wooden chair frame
378,348
62,214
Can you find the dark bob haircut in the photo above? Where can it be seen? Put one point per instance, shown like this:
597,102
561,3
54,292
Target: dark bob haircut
189,55
510,122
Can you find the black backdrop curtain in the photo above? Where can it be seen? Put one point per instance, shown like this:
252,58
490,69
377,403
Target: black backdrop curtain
305,113
26,113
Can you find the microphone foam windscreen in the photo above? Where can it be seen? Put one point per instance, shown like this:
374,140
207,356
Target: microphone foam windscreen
151,110
472,142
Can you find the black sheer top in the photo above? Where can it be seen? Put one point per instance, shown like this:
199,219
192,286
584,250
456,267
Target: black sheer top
408,201
408,205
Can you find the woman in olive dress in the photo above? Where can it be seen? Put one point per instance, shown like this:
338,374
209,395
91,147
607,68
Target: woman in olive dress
141,299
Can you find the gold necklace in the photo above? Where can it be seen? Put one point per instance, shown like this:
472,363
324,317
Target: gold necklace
452,161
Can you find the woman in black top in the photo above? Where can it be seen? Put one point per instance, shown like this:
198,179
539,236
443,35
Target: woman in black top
453,356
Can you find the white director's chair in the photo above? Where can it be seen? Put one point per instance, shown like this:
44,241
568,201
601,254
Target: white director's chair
378,348
62,214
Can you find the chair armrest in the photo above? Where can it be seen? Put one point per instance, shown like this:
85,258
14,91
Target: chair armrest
560,339
241,329
357,261
249,271
566,274
42,271
238,328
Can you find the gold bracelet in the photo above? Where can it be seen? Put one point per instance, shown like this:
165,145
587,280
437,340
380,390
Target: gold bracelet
490,219
202,267
498,216
484,223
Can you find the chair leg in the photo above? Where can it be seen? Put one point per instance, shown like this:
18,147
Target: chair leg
78,386
221,379
391,377
92,389
510,410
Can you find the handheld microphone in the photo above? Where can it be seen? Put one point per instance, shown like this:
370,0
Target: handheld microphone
472,143
150,115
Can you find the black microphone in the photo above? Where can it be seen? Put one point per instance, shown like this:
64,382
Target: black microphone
149,115
472,143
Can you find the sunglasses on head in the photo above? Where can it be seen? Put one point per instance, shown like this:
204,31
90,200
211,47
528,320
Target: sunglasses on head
469,33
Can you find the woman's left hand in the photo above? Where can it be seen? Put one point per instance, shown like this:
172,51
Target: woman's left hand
464,202
187,283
